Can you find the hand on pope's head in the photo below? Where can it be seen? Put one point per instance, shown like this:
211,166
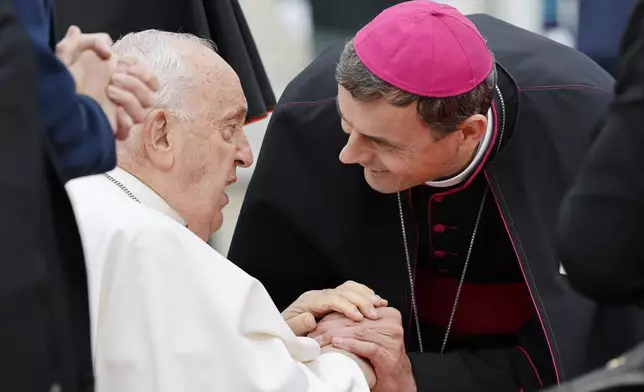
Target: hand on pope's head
75,43
124,88
92,75
132,88
353,300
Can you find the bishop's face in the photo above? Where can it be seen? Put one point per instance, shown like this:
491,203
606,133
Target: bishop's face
394,146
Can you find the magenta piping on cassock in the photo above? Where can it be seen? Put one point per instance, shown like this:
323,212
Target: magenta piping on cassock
525,278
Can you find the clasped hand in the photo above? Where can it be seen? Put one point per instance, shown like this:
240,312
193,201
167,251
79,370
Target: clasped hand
380,340
123,87
354,300
356,322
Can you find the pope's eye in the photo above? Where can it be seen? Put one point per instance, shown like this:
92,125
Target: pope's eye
227,132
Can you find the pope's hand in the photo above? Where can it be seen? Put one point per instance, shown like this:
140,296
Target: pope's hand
355,301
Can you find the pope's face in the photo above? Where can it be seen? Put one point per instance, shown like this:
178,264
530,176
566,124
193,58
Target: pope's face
394,146
213,146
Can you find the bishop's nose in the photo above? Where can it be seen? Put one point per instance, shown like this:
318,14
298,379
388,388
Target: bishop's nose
354,152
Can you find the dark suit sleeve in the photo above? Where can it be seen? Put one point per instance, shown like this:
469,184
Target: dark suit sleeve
600,238
76,126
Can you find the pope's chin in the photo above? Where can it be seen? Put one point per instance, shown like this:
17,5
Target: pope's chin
217,222
382,181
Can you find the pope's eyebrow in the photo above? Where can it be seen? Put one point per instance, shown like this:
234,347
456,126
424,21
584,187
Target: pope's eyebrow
238,113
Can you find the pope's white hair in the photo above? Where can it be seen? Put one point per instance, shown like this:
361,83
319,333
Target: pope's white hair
157,49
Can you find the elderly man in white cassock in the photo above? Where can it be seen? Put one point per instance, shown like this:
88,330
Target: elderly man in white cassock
170,314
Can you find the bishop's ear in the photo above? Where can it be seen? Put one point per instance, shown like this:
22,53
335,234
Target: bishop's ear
157,139
473,130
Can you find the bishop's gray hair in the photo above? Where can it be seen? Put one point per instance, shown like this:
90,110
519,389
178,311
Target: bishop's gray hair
442,115
156,49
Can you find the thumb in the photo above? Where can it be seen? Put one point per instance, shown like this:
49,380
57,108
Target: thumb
302,324
72,31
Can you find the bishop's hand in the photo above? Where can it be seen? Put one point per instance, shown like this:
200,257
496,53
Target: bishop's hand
354,300
365,365
380,341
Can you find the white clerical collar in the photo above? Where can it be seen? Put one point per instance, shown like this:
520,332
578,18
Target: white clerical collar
480,153
144,194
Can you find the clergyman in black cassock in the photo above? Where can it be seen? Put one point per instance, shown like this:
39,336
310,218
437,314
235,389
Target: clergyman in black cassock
310,222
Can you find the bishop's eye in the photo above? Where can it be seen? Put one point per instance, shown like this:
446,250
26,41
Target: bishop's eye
380,143
383,144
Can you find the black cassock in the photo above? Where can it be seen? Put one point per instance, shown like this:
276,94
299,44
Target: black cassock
310,222
44,309
219,20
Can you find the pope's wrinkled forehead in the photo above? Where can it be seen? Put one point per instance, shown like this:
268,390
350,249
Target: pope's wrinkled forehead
216,84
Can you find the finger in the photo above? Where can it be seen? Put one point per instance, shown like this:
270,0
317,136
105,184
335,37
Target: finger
126,61
302,324
78,43
65,53
128,101
389,313
325,327
102,45
146,97
145,74
362,302
337,317
352,286
337,303
124,124
362,349
358,332
72,31
357,287
70,48
383,303
378,301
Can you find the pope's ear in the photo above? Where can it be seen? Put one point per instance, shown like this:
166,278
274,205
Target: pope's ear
157,140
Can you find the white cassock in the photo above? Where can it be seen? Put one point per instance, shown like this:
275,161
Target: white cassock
170,314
